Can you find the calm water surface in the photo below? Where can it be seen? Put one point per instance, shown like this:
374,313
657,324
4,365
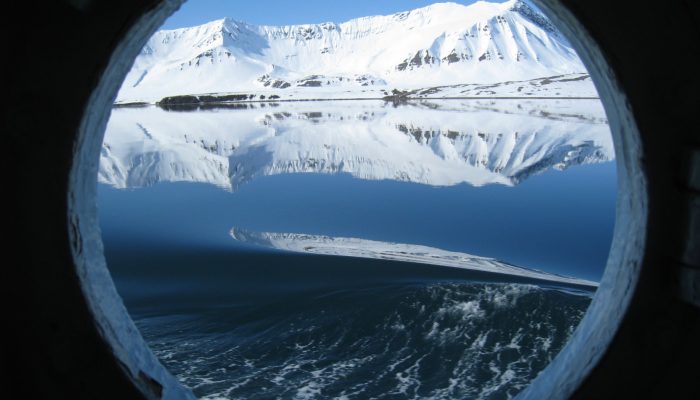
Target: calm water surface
226,233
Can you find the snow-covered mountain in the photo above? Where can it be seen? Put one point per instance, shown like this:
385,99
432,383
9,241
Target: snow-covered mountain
436,143
441,44
363,248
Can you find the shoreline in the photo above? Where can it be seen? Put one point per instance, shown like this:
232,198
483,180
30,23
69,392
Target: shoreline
388,99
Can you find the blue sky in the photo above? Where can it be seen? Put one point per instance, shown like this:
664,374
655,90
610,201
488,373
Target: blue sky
286,12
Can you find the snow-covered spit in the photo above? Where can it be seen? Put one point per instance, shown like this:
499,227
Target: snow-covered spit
437,143
363,248
440,45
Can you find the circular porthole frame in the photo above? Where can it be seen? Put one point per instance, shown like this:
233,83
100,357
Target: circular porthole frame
566,370
638,336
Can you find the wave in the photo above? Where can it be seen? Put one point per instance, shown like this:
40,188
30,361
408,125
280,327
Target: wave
405,341
413,253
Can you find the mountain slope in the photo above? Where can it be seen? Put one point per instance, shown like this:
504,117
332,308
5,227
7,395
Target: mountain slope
442,44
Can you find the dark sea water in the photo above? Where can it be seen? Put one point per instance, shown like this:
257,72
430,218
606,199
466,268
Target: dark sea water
238,321
250,325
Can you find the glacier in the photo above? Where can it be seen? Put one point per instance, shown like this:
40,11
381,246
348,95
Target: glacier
439,45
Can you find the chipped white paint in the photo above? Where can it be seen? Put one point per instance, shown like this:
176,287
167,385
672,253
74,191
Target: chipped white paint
595,332
559,380
111,316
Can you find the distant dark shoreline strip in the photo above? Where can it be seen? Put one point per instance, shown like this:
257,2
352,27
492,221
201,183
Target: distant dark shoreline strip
388,100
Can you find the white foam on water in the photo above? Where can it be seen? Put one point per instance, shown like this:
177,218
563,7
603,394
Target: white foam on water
453,314
310,391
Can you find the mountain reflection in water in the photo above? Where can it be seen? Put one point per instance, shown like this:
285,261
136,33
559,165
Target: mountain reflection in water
435,143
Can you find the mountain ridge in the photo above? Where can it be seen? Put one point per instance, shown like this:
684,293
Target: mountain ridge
440,44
